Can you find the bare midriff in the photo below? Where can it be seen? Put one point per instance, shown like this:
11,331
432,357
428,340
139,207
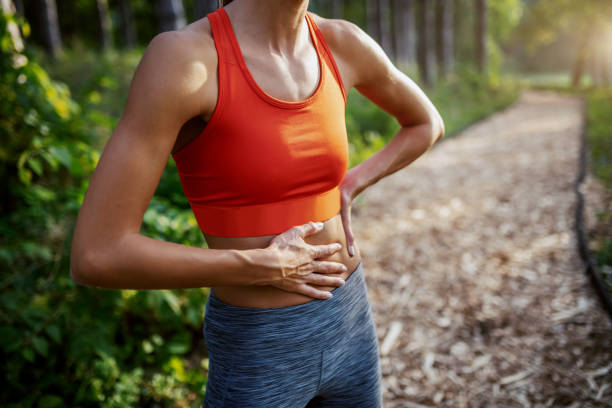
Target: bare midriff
266,296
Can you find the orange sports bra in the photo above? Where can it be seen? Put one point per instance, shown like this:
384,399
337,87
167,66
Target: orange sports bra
262,165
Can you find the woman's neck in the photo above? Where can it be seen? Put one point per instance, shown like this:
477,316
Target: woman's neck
276,25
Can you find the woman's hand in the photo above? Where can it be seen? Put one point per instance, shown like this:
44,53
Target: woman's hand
345,213
298,264
347,193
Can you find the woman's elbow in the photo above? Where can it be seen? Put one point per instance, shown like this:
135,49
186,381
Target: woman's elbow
85,266
437,126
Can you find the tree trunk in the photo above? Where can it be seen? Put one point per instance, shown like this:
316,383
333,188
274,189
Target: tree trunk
379,23
52,37
315,6
581,58
202,7
18,7
373,20
427,47
171,14
445,37
384,14
338,9
128,30
404,33
481,35
104,21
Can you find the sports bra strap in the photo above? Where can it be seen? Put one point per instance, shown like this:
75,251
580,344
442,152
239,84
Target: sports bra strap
221,38
328,54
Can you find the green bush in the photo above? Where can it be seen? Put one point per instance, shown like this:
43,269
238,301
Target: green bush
461,99
64,344
599,143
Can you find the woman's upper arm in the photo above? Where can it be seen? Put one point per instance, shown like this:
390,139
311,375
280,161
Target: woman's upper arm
164,93
374,75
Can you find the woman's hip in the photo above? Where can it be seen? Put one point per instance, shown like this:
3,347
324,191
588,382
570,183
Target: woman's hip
307,327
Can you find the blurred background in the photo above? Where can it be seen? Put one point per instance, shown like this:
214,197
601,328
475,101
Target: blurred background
64,74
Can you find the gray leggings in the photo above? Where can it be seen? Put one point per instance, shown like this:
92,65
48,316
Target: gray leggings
323,353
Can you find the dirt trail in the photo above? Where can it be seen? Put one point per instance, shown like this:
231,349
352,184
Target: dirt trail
470,254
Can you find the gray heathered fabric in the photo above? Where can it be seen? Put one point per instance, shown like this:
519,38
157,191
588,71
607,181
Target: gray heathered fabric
323,353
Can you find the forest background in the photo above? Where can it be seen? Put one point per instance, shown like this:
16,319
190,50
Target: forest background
64,73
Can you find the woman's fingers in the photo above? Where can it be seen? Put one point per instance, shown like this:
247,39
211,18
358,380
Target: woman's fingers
317,276
328,267
345,215
324,250
309,228
324,280
312,292
299,264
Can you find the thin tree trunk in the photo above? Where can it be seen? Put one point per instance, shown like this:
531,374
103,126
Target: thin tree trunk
581,59
52,37
445,37
202,7
171,14
384,14
315,6
481,35
104,20
128,30
19,7
427,45
373,20
404,33
338,9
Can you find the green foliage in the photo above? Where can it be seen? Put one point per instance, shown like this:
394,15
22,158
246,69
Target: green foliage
97,80
63,344
461,100
599,142
599,116
45,156
546,20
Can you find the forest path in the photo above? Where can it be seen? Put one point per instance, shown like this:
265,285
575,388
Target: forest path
470,256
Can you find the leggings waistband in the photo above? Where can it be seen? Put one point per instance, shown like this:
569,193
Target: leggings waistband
226,325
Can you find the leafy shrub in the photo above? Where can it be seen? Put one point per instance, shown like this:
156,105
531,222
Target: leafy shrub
64,344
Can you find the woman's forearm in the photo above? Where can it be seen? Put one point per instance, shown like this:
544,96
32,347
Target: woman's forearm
140,262
408,144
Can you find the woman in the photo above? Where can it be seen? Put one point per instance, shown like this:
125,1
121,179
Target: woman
250,103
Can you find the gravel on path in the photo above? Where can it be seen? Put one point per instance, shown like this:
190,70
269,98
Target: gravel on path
477,288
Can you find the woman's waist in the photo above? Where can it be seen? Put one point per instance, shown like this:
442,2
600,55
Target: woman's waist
263,296
234,329
267,296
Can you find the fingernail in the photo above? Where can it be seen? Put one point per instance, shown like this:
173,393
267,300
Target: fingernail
328,295
341,281
319,224
351,250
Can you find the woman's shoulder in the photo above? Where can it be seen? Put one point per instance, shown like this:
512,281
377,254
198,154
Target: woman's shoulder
180,65
190,44
336,31
358,55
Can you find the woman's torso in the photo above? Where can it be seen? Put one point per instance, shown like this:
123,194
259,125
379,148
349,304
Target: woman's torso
270,296
278,82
